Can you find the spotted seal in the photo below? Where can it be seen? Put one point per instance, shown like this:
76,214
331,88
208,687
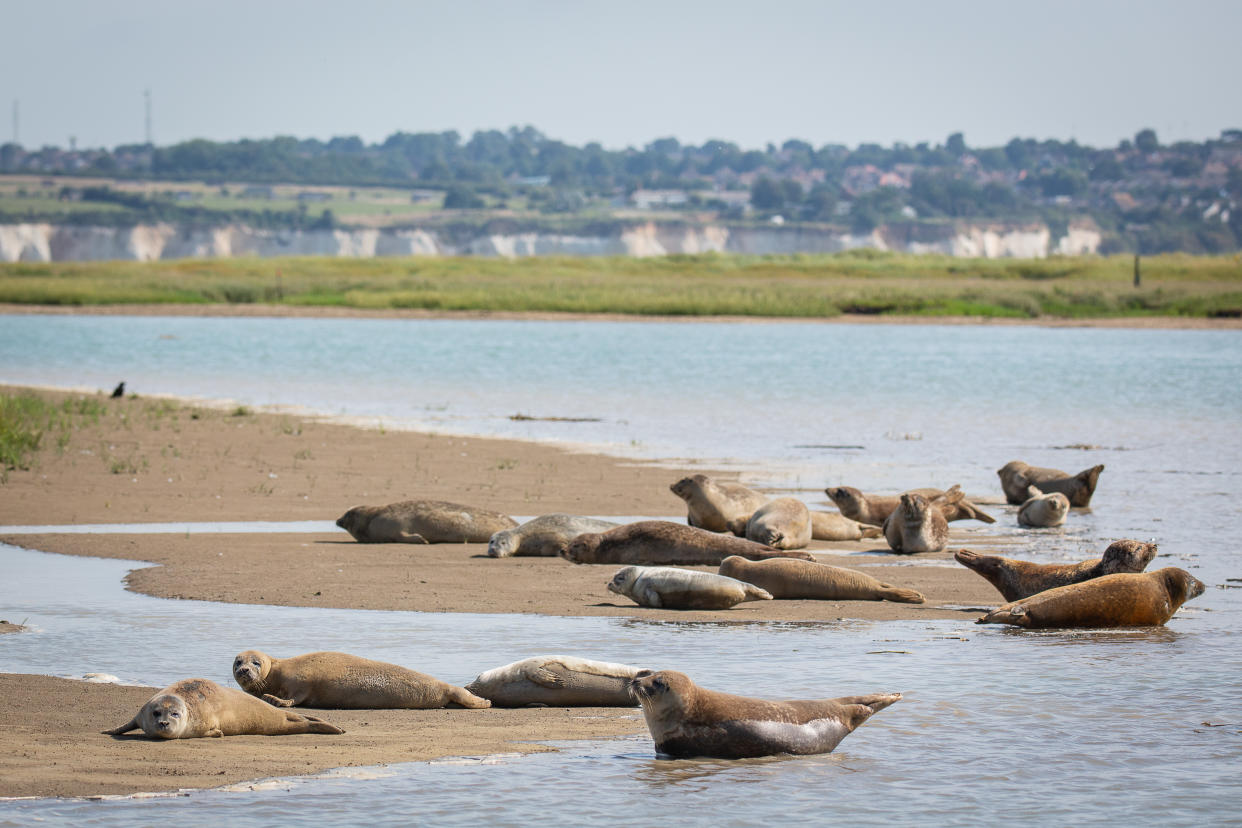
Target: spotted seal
917,525
783,523
191,708
875,509
664,543
1127,599
423,521
1016,476
557,681
831,526
1021,579
666,587
787,578
1043,510
713,506
544,536
687,721
341,680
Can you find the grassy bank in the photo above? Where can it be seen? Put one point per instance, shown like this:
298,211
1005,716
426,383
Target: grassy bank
779,286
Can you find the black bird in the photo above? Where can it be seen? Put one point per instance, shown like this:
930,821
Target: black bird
119,391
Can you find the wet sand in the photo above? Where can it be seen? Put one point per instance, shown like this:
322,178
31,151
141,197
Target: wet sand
150,461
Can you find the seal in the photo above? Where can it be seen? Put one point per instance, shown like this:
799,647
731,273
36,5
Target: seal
1127,599
784,523
1016,476
687,721
713,506
196,707
817,581
544,536
830,526
423,521
557,681
662,542
665,587
917,525
1021,579
344,681
875,509
1041,509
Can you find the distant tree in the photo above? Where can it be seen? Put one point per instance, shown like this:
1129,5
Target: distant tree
1146,141
462,198
767,194
1184,166
820,203
1018,153
956,145
1107,168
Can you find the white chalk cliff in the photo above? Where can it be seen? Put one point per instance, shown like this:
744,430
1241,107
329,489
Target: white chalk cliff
150,242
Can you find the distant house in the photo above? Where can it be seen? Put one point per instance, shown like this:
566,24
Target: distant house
314,195
648,199
256,191
536,180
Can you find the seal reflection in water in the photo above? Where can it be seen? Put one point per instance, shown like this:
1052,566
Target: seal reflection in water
687,721
191,708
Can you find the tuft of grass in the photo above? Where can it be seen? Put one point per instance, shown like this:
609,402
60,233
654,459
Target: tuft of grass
241,411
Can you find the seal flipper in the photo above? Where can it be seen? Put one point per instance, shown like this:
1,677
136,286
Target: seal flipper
1014,614
869,530
900,596
542,677
412,537
276,701
132,724
313,724
464,698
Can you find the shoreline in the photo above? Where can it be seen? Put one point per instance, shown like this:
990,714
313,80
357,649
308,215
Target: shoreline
143,461
343,312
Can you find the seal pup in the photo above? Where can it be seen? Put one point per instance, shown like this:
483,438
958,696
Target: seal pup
788,578
687,721
344,681
662,542
830,526
423,521
557,681
1021,579
544,536
196,707
1041,509
917,525
875,509
1016,476
665,587
1127,599
713,506
783,523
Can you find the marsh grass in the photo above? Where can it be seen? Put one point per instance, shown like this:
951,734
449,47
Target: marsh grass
805,285
26,419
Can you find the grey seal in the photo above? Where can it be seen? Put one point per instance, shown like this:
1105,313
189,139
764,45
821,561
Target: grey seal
666,587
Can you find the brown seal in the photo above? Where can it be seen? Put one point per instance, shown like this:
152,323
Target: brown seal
783,523
1020,579
423,521
713,506
666,587
1016,476
557,681
664,543
687,721
1128,599
344,681
191,708
808,579
1041,509
917,525
875,509
544,536
831,526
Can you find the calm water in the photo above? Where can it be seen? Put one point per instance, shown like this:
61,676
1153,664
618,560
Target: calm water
1050,728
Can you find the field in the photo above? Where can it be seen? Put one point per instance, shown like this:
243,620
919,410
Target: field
814,286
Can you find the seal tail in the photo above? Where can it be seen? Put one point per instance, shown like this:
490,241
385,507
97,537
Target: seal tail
754,593
314,724
860,708
976,513
901,596
132,724
1014,614
464,698
868,530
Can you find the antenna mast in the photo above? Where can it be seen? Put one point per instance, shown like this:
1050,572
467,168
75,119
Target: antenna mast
146,94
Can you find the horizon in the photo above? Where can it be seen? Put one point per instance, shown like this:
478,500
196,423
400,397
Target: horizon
824,73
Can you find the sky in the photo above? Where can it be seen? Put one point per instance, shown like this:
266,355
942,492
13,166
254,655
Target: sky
620,73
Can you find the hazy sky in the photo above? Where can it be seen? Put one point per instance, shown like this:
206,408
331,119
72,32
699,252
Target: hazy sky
621,73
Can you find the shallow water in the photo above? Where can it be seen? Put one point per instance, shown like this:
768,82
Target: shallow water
1046,728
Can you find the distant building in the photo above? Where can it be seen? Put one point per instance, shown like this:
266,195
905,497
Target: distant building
314,195
647,199
256,191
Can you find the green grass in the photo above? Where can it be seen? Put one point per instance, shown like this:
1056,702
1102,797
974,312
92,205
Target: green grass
864,281
26,420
